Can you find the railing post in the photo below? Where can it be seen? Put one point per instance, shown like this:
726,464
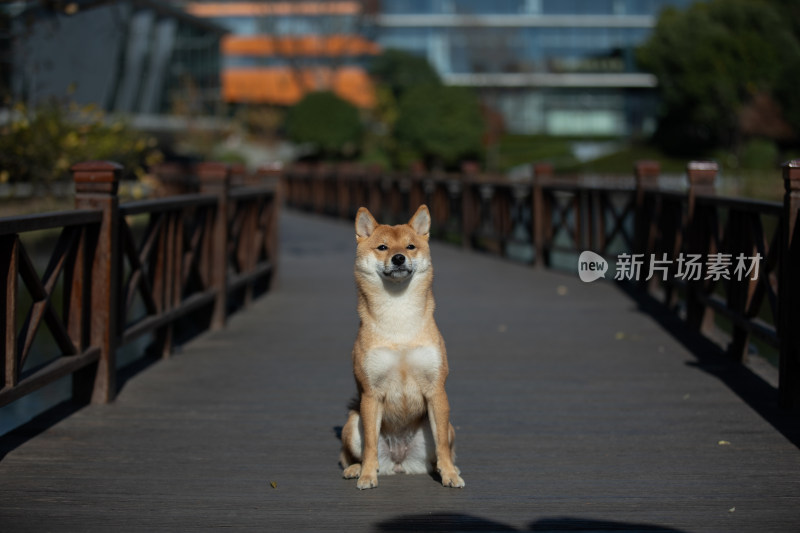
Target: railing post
701,176
173,178
789,290
646,174
542,172
215,179
238,175
96,184
9,274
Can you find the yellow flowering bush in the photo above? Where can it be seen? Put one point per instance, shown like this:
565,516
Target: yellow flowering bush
39,144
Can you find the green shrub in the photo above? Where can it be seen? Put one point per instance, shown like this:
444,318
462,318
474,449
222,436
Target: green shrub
330,124
442,125
40,144
401,71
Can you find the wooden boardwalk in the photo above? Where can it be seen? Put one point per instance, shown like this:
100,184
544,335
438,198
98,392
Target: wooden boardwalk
574,410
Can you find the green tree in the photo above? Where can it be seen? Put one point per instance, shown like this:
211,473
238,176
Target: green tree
714,59
418,119
401,71
331,124
439,124
379,142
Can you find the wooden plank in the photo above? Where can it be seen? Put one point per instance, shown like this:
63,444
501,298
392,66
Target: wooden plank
561,423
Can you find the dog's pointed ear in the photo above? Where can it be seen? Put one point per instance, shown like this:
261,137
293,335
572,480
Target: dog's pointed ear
421,221
365,224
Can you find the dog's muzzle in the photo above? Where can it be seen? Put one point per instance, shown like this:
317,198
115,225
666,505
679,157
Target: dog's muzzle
399,269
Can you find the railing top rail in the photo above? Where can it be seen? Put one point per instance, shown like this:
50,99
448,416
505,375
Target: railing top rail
41,221
742,204
167,204
250,191
557,184
765,207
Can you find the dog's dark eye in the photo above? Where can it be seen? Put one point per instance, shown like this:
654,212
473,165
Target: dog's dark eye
410,247
383,247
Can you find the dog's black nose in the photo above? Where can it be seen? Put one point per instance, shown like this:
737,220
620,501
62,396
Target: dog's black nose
398,259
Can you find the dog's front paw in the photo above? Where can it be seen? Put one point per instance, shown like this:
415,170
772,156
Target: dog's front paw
452,479
367,480
352,471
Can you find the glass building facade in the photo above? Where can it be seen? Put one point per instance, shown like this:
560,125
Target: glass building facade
559,67
139,57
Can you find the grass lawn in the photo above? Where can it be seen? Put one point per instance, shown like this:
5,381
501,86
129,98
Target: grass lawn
513,150
623,161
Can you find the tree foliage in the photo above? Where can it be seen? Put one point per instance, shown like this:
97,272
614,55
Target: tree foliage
418,119
326,121
400,71
439,124
714,59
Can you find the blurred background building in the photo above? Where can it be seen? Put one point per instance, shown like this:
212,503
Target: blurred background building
278,51
139,57
557,67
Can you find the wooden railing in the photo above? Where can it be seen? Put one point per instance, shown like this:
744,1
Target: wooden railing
168,267
548,221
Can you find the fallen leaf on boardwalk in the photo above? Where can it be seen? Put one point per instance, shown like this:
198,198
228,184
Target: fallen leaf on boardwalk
273,484
502,328
732,509
619,336
561,290
687,396
724,443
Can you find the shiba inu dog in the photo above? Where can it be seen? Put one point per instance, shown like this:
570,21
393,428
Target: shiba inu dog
400,422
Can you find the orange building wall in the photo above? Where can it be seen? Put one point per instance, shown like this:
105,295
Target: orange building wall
249,9
286,86
307,45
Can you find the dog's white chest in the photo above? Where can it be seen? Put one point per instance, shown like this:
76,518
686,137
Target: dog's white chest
404,368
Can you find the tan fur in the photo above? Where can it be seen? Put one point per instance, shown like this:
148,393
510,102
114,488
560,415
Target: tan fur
399,359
